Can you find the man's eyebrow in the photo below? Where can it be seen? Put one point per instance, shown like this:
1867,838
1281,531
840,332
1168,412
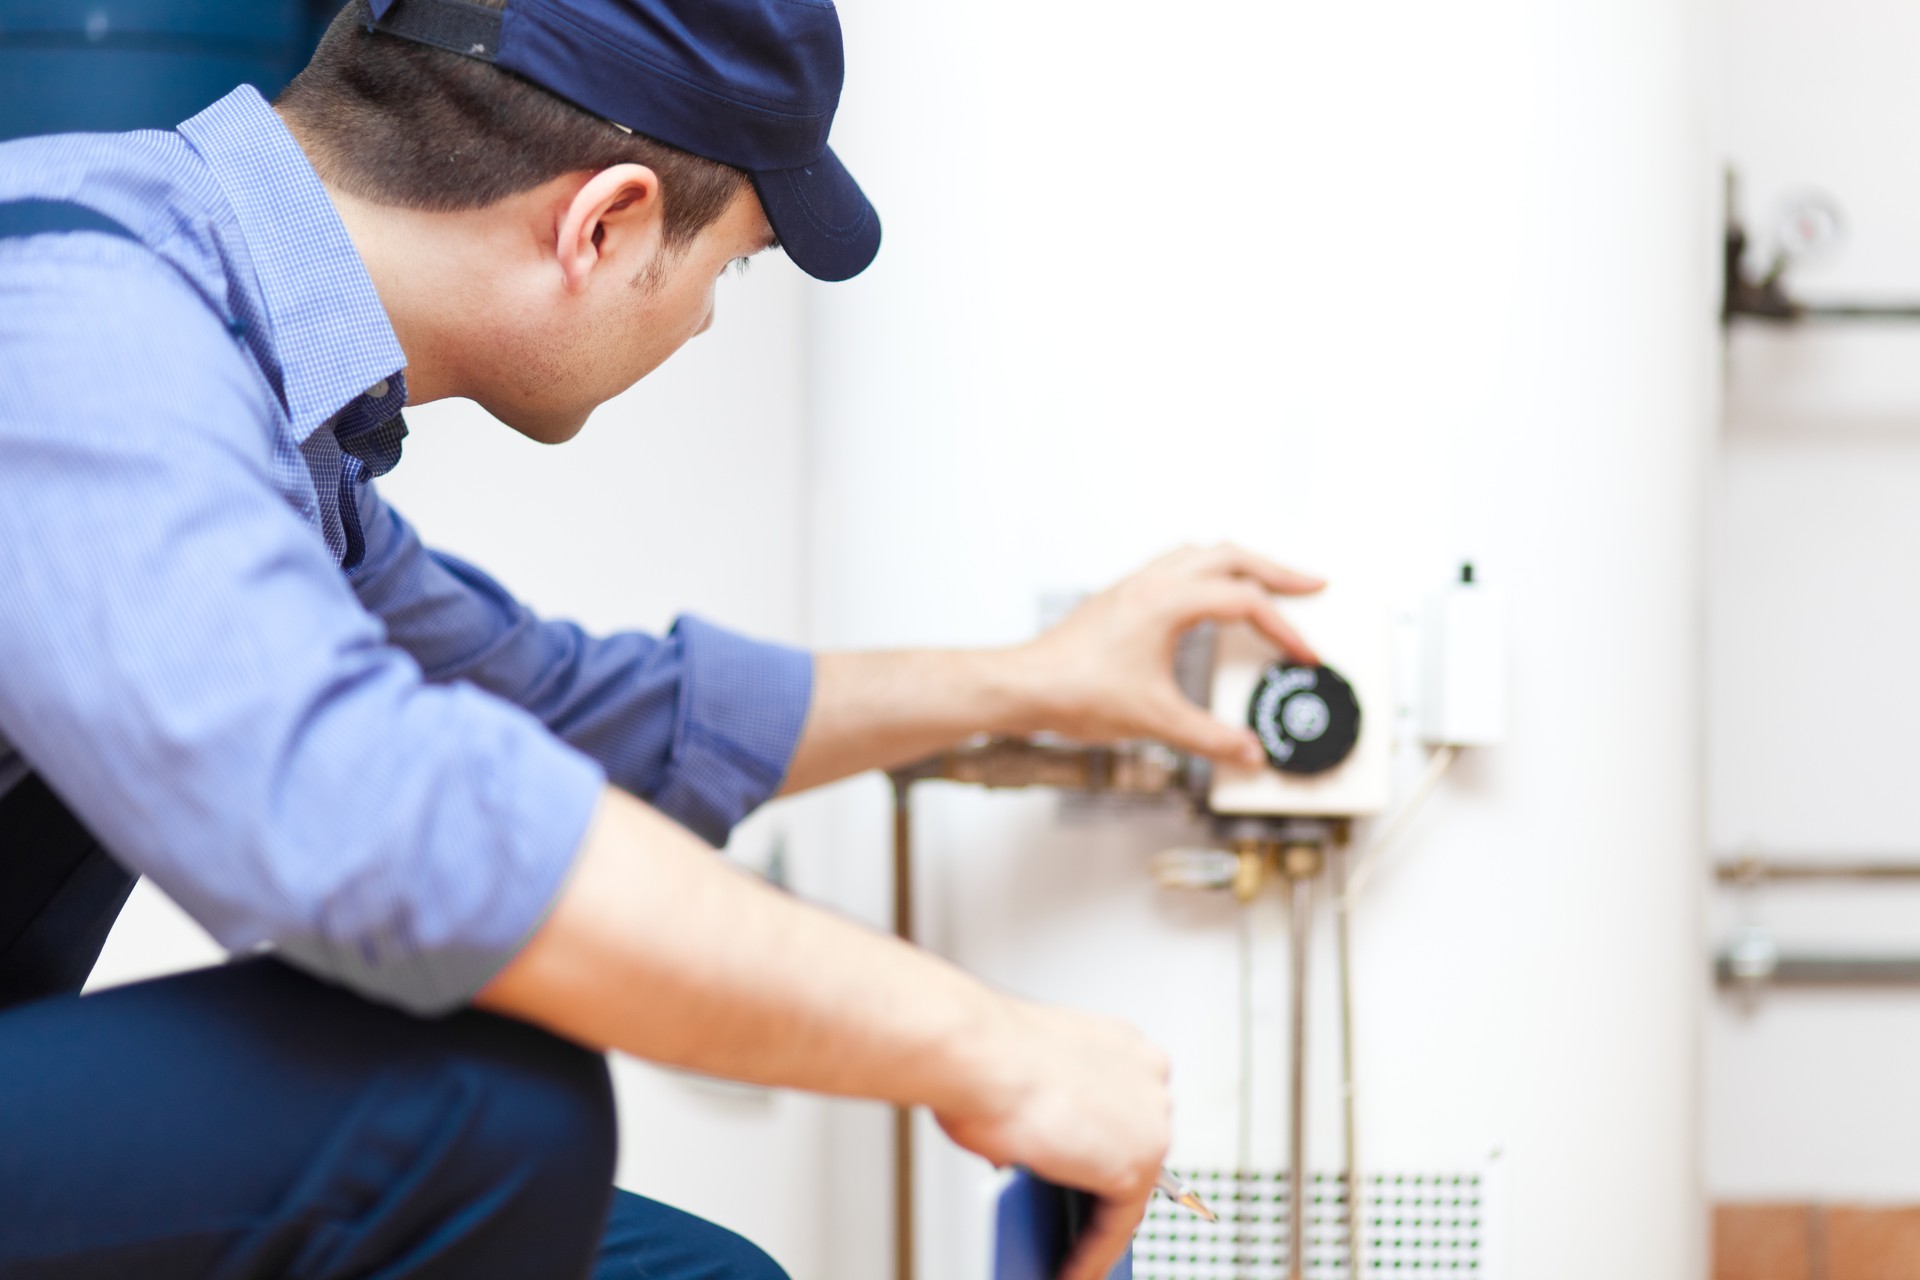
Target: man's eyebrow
771,242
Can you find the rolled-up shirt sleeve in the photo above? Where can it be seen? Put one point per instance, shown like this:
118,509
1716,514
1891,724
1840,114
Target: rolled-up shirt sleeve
184,664
701,723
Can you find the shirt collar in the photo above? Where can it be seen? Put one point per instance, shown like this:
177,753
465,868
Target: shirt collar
331,335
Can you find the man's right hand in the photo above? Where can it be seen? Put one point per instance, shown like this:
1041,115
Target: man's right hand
658,948
1082,1102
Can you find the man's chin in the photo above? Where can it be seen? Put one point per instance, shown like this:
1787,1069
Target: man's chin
546,428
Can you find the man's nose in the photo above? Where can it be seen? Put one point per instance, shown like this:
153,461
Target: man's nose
708,322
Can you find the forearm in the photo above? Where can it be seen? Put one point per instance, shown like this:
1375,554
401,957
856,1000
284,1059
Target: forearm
1103,674
877,710
701,722
661,950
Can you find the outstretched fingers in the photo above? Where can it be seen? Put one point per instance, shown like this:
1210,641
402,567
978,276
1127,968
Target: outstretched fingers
1237,600
1228,560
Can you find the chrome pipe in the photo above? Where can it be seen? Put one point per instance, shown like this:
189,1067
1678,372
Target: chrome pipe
1741,973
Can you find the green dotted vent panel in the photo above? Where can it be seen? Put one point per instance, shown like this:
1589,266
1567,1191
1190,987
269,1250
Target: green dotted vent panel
1413,1224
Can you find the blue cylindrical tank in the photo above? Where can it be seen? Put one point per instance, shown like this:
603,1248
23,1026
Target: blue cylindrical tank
70,65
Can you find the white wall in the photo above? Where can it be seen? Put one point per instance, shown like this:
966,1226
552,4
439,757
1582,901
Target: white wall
1815,611
1373,289
683,495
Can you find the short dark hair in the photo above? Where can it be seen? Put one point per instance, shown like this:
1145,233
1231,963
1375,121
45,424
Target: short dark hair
399,123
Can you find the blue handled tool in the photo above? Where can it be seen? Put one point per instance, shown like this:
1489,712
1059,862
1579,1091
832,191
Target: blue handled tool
1035,1227
1037,1223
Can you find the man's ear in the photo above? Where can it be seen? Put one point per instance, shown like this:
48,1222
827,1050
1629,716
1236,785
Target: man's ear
616,213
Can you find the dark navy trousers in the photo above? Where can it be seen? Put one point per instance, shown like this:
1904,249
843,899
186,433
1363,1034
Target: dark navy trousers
251,1123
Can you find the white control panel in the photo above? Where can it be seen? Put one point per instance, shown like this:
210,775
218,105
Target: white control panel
1320,762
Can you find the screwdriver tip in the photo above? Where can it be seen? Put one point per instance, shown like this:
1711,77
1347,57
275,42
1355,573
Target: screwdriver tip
1199,1206
1183,1195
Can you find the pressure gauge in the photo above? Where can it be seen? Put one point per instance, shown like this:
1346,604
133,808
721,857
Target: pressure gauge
1307,717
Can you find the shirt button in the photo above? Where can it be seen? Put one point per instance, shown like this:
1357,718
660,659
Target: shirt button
377,390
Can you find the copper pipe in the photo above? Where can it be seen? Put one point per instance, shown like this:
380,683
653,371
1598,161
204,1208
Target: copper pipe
1299,863
903,1215
1349,1101
1761,870
1142,768
1299,926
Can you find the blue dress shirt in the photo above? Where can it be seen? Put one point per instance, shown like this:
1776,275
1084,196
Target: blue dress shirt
240,667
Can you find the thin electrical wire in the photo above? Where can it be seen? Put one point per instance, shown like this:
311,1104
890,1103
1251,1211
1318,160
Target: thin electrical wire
1351,874
1399,820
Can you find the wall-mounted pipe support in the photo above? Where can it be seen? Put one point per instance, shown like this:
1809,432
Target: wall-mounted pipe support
1746,295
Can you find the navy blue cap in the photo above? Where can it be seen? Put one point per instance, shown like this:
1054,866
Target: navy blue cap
750,83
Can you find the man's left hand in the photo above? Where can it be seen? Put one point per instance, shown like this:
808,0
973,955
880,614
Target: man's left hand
1105,673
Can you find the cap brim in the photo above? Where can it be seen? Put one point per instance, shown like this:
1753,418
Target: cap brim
821,216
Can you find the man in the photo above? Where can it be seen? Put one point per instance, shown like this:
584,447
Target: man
471,841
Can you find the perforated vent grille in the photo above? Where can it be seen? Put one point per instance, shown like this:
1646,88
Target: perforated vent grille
1413,1224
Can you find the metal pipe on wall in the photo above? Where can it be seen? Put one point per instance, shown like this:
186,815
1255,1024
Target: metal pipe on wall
903,1184
1349,1101
1243,1132
1139,768
1300,863
1755,870
1298,851
1735,972
1132,768
1299,931
1754,962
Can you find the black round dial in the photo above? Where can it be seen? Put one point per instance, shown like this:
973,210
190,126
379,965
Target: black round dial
1308,718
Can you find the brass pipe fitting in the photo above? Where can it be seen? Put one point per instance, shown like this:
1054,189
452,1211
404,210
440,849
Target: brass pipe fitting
1252,858
1302,860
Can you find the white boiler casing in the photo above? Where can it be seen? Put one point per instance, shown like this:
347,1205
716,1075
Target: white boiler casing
1373,290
